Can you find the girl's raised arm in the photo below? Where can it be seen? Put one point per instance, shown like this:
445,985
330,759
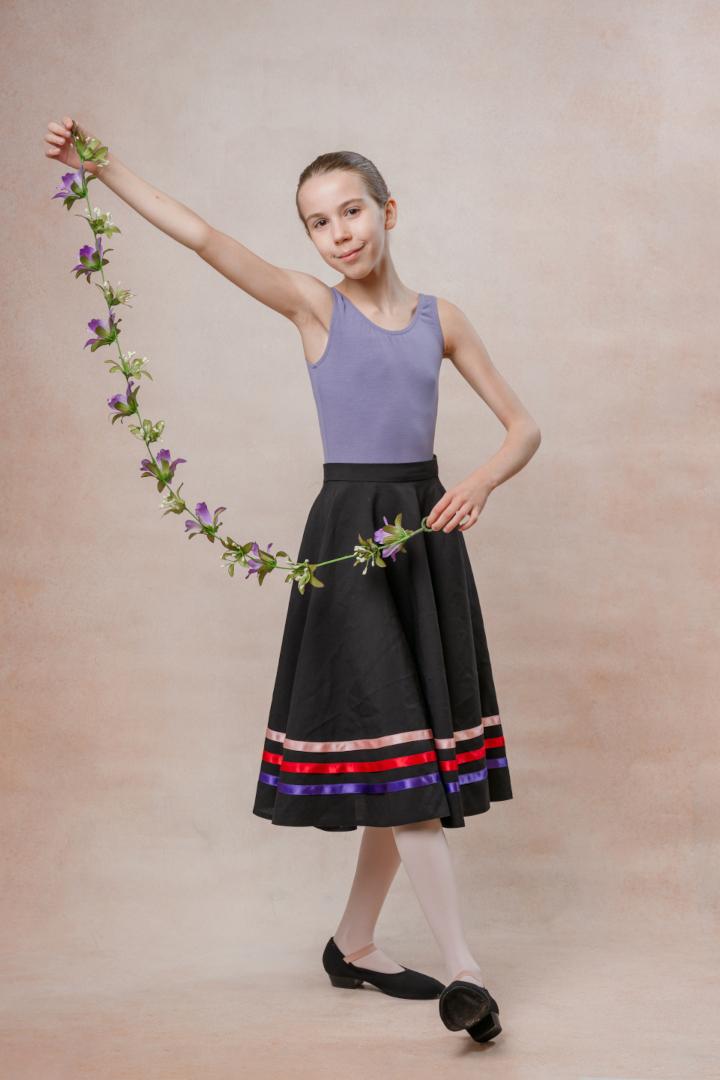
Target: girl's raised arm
286,291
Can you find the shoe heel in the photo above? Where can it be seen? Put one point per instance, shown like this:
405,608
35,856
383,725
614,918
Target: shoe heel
485,1029
345,980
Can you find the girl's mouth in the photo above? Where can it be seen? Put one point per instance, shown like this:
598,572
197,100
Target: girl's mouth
351,254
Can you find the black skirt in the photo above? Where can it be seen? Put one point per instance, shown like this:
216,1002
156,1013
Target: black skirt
384,709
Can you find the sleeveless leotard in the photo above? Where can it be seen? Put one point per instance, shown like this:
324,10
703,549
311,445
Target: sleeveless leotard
376,390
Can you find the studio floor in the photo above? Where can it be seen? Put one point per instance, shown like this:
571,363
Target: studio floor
634,1008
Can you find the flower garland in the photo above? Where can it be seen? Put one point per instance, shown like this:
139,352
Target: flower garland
388,540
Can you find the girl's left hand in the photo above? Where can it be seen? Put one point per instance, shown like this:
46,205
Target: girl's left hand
465,499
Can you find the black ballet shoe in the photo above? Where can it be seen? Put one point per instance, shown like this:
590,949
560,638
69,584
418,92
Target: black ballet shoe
486,1029
403,984
464,1004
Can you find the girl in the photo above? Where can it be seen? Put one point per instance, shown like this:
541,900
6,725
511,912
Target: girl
384,713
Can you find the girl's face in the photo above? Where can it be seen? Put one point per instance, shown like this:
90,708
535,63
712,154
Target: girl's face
342,218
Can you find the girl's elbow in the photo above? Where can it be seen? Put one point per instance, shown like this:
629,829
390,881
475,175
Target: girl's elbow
534,435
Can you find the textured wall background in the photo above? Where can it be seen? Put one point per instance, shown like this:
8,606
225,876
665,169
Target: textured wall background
555,165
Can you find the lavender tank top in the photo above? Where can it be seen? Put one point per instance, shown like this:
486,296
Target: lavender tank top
376,390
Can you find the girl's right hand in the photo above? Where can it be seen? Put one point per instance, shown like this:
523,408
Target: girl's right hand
60,145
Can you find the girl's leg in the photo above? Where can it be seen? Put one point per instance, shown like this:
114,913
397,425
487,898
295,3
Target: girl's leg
427,859
377,864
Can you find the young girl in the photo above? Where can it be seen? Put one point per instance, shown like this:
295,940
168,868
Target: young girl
384,713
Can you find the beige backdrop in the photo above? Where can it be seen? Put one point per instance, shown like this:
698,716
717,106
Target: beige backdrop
555,165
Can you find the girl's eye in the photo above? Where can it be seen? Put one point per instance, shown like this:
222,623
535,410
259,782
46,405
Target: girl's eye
320,220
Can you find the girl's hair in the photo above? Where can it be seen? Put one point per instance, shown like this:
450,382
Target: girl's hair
376,187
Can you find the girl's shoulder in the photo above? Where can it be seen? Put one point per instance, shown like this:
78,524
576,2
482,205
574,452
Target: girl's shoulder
452,322
457,329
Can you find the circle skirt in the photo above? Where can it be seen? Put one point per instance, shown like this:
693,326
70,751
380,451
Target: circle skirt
384,709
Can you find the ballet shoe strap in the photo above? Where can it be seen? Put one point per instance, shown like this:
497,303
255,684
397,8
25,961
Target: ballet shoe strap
349,958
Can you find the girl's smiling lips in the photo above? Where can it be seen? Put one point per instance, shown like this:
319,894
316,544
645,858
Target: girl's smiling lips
350,254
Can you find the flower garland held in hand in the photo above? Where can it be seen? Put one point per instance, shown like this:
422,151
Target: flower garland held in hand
388,540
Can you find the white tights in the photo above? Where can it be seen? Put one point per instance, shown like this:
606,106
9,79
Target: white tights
423,849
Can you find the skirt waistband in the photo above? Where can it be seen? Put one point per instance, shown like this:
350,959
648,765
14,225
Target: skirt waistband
380,470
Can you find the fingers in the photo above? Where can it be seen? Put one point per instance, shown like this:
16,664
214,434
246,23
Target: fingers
449,517
438,509
474,515
57,135
457,517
